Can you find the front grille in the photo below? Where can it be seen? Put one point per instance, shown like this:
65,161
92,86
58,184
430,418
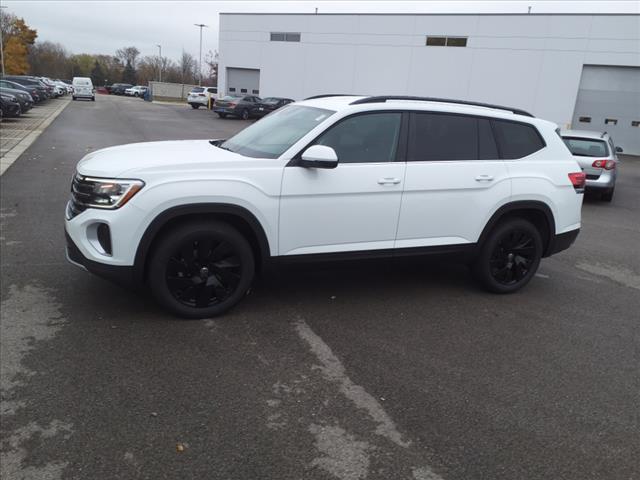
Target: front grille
80,192
592,177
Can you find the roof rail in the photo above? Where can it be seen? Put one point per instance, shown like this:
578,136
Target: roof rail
325,95
382,99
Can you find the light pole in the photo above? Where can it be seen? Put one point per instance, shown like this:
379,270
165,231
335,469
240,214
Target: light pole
160,64
200,62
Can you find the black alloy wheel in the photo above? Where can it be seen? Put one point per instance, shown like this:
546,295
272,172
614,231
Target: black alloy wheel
509,257
512,257
201,269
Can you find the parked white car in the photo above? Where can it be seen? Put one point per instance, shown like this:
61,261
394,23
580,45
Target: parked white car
137,91
199,96
328,177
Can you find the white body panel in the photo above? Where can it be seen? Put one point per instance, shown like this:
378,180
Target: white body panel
352,207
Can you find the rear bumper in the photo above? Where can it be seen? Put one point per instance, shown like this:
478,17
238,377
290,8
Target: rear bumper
120,275
606,180
562,241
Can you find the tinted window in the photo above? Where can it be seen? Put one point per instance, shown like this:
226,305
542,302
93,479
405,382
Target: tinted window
585,147
516,140
435,136
487,148
364,138
197,90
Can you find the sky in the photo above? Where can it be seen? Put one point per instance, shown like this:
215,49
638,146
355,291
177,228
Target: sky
101,27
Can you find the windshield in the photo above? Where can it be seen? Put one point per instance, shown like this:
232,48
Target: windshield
230,97
275,133
586,147
271,100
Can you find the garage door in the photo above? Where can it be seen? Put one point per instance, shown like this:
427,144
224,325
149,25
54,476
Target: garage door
243,80
609,101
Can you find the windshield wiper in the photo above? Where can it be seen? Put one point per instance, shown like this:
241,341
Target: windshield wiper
218,143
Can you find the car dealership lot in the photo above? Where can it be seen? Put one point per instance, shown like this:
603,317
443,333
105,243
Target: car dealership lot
392,369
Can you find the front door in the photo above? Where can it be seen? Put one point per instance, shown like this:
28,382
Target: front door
354,206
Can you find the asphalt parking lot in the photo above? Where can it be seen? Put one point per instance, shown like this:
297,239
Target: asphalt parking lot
376,370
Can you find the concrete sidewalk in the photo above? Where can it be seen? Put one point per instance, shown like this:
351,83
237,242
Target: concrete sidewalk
17,134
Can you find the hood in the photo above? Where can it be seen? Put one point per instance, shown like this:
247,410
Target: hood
136,158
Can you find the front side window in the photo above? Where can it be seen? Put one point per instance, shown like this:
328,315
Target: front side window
368,138
277,132
586,147
516,140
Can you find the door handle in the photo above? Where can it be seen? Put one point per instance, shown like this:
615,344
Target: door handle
484,178
388,181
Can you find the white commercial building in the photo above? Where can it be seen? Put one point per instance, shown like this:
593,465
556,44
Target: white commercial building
577,70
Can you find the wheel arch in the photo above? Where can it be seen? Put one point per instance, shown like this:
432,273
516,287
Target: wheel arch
239,217
537,212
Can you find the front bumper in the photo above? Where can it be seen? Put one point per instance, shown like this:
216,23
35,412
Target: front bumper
121,275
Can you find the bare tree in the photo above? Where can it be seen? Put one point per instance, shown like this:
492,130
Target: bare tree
187,67
128,55
211,61
51,59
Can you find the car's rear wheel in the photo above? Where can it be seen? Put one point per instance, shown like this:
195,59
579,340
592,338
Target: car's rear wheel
509,257
607,196
73,98
245,114
222,115
201,269
195,106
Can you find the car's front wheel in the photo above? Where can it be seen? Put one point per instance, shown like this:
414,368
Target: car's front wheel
509,257
222,115
245,114
195,106
201,269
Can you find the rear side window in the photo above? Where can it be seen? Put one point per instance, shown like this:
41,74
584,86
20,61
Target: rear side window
516,140
435,136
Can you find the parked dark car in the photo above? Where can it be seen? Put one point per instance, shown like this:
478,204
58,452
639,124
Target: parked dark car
9,105
42,89
119,88
236,105
268,105
23,98
24,88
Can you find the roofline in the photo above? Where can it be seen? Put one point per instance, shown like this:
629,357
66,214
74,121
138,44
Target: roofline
378,14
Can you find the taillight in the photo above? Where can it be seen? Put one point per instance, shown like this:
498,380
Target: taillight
604,163
578,180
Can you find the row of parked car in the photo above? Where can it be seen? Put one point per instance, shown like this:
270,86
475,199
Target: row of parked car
19,93
242,106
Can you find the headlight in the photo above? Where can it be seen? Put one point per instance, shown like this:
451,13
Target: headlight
103,192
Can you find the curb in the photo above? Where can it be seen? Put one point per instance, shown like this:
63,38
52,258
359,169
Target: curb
18,149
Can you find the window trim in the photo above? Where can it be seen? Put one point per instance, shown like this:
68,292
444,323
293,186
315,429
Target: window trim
401,150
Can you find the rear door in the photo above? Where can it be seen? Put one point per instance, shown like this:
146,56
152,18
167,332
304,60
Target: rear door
454,179
354,206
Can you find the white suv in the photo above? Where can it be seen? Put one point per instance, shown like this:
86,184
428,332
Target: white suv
201,96
328,177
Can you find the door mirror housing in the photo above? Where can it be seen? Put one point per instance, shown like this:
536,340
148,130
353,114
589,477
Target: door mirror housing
319,156
619,150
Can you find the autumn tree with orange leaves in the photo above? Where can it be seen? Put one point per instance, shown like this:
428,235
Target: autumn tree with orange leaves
17,37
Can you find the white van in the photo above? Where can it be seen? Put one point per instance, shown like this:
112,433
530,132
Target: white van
83,88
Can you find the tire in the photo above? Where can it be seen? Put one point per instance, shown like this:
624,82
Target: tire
136,94
93,99
201,282
509,257
195,106
245,114
608,195
74,98
222,115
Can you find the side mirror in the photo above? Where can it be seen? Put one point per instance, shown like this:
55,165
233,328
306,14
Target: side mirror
619,150
319,156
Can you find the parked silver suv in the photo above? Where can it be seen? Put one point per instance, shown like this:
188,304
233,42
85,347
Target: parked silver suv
597,156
